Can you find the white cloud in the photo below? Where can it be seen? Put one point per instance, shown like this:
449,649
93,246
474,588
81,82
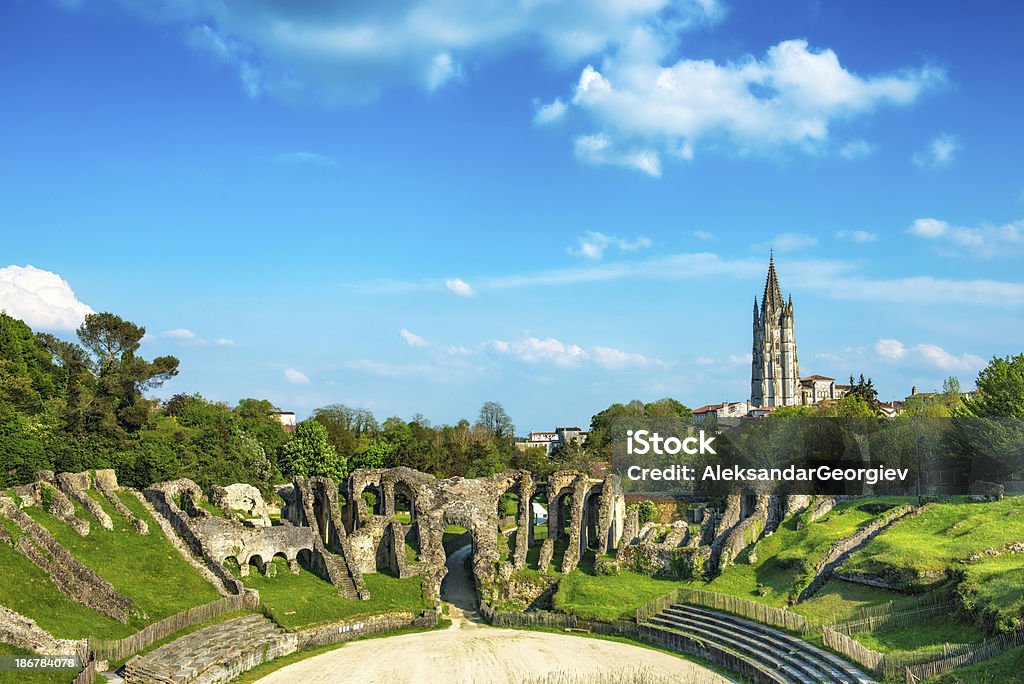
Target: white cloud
616,359
549,113
890,349
593,245
412,339
224,342
183,334
704,361
344,51
985,242
459,287
940,358
703,235
41,299
856,149
311,158
861,236
788,99
296,377
941,151
741,359
598,149
535,350
787,242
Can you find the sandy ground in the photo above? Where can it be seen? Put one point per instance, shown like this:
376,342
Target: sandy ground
478,654
474,653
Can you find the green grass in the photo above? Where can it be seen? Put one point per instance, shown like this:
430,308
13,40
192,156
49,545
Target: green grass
607,597
924,635
786,559
837,601
922,548
995,588
1007,667
141,567
305,599
403,517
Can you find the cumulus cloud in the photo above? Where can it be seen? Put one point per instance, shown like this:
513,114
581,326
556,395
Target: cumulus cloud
941,151
535,350
224,342
412,339
459,287
181,334
703,235
861,236
550,350
549,113
890,349
940,358
616,359
296,377
984,241
788,99
592,245
345,51
42,299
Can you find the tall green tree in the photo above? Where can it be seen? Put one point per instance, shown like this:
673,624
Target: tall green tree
121,375
310,453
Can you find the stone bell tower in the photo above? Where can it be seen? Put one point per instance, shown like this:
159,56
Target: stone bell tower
775,371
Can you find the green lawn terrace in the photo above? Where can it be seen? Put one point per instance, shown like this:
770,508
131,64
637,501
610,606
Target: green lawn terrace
978,544
303,599
141,567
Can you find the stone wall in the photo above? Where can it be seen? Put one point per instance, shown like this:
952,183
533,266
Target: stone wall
23,632
105,483
74,486
345,630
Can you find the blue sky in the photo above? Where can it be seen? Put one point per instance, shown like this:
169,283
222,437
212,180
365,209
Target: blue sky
561,204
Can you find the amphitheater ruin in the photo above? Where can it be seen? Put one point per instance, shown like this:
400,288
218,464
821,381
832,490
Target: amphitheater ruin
344,531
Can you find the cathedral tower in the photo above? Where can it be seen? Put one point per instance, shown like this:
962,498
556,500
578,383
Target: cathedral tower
775,371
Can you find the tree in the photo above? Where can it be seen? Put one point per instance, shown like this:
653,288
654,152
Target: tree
1000,390
121,376
309,453
496,421
864,390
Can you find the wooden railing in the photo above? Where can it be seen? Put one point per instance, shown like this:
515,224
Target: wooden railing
758,612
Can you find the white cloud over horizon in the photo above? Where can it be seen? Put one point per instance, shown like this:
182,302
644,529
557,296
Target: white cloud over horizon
985,242
592,245
295,376
641,111
860,236
412,339
460,287
40,298
928,354
534,350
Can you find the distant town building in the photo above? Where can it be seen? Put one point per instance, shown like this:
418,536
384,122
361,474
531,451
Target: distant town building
725,410
550,440
817,388
287,419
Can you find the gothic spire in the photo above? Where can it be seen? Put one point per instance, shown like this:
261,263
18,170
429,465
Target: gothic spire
772,299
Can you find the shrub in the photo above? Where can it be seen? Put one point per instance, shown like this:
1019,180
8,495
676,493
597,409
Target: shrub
648,511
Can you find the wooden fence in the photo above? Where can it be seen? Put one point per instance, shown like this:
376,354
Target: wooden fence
975,654
120,649
87,675
759,612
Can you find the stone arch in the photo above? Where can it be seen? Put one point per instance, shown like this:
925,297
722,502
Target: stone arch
256,560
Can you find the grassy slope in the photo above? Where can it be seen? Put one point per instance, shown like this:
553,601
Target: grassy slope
1008,667
28,677
786,558
139,566
305,599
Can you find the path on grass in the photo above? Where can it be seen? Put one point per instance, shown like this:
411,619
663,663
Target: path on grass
470,653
